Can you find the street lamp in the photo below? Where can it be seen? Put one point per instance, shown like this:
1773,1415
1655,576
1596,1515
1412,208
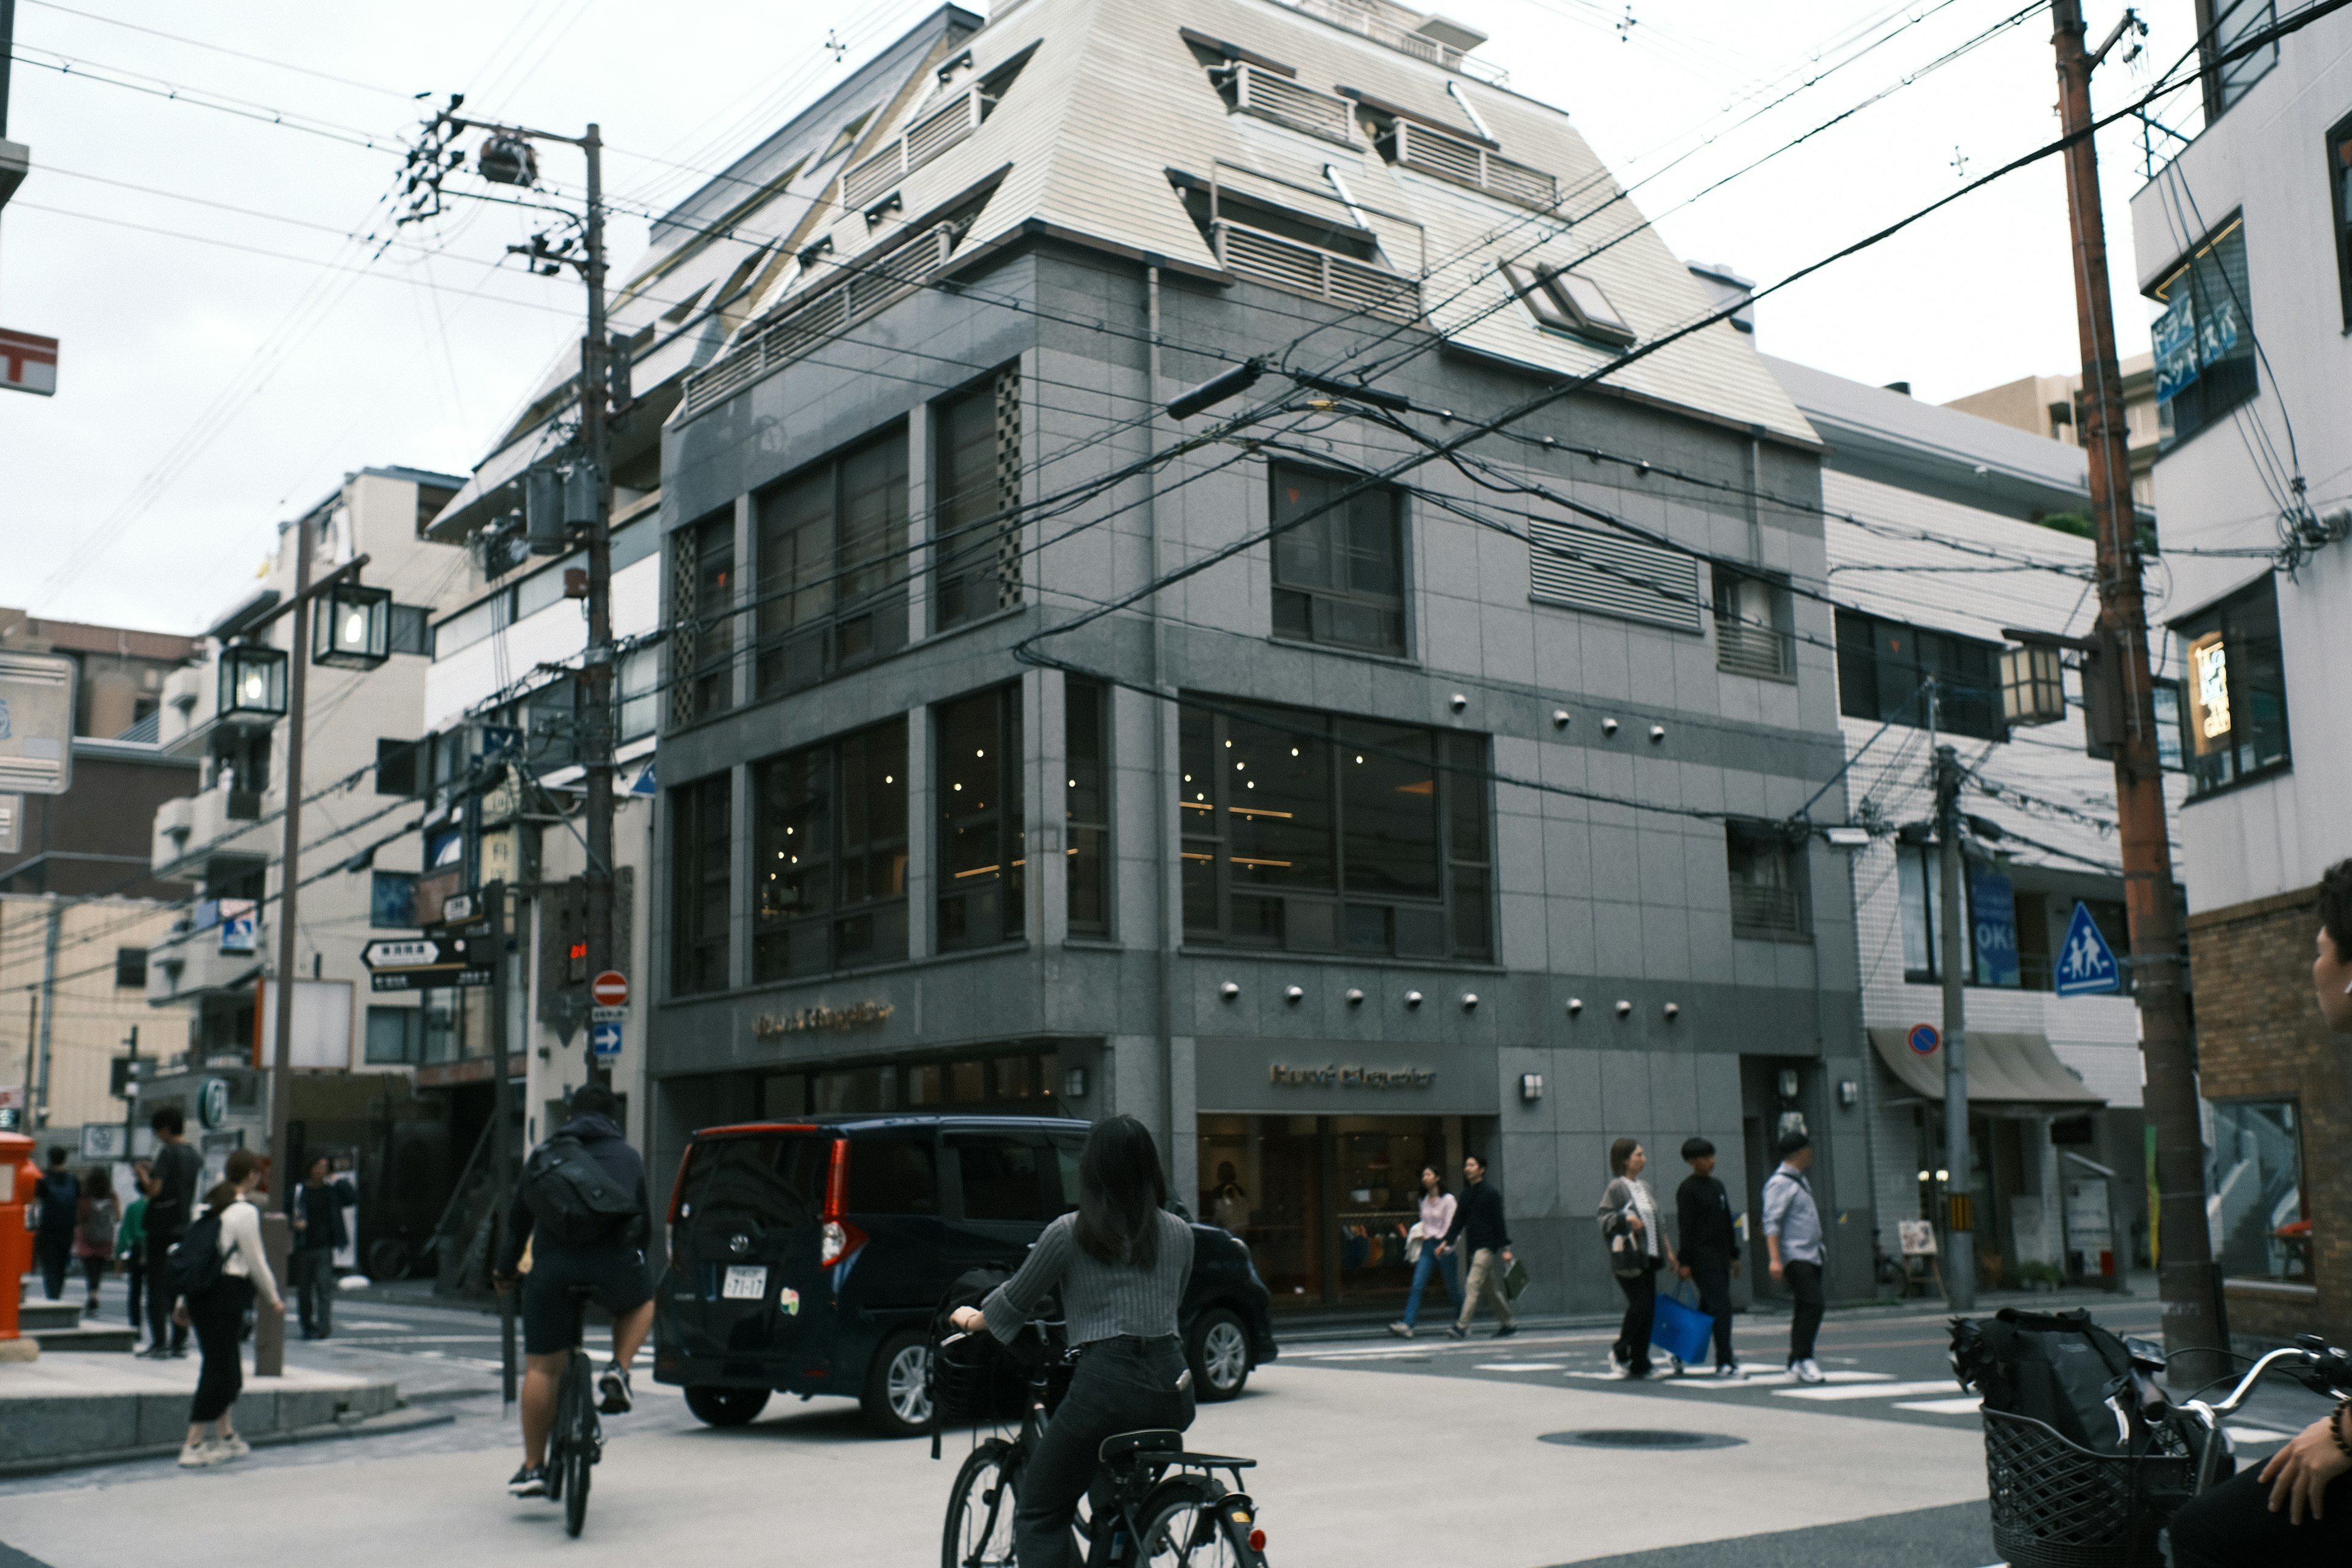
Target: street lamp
352,628
2033,684
252,681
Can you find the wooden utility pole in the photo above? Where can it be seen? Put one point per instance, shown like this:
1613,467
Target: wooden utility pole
595,731
2190,1285
1951,917
269,1333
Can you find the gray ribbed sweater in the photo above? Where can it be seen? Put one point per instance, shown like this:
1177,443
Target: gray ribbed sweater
1099,1300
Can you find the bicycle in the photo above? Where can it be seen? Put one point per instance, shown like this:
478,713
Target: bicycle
1155,1504
577,1441
2317,1364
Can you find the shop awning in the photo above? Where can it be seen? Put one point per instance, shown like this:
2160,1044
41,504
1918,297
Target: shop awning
2017,1070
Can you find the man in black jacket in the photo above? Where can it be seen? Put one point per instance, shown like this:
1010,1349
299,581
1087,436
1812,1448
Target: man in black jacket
1479,1225
1710,1246
317,1205
171,1188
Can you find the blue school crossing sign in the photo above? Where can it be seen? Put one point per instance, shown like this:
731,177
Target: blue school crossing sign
2086,964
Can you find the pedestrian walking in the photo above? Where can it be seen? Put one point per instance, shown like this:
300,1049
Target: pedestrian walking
1479,1225
1638,1247
1710,1245
1793,1231
57,1206
1429,1255
171,1189
130,1243
215,1307
94,1222
316,1204
1229,1201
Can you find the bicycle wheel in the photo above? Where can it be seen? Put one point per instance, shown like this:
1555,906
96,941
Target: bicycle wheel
980,1510
1190,1526
575,1491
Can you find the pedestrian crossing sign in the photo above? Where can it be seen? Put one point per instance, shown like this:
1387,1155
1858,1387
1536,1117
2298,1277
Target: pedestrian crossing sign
2086,964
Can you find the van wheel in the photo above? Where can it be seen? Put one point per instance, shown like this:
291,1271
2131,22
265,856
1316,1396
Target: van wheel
897,1398
716,1406
1218,1348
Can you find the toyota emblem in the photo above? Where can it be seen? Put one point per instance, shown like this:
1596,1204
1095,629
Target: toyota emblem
739,1244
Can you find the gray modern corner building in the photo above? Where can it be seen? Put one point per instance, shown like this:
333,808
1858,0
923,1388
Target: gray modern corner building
1330,802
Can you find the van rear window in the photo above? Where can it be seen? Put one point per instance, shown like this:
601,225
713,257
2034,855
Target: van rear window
893,1176
777,1179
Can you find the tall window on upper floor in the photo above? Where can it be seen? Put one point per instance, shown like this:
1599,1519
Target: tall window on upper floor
976,527
1751,626
1086,813
829,854
1890,671
1319,833
2206,363
1339,573
2339,197
832,543
982,845
1769,884
702,634
2235,701
701,848
2222,25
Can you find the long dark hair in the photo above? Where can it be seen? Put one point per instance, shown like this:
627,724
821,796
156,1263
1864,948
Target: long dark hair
1121,1190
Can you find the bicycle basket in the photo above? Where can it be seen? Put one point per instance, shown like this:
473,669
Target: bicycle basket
2058,1505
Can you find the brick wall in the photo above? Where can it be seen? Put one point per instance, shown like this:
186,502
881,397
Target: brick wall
2258,1033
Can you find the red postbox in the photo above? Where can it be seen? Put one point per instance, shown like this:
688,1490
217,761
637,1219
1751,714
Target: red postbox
17,1176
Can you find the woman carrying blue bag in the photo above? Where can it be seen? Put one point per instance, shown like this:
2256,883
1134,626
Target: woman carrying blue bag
1638,1248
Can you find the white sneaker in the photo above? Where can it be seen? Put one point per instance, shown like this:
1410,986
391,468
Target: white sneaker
1731,1369
232,1448
200,1456
1808,1370
1402,1330
1618,1367
1674,1364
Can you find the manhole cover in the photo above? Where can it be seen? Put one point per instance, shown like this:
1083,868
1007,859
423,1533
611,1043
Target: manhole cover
1640,1437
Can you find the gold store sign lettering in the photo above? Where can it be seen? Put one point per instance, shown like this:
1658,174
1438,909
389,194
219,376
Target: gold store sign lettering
853,1017
1351,1078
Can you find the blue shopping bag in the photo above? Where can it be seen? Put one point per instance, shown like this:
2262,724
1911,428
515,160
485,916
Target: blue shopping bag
1682,1330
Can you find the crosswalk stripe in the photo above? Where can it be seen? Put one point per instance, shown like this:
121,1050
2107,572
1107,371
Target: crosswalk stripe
1710,1384
1967,1405
1865,1391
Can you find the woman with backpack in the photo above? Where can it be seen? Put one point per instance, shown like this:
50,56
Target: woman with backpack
93,1242
218,1266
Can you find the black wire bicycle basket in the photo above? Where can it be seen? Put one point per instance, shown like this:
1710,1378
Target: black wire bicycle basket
2056,1504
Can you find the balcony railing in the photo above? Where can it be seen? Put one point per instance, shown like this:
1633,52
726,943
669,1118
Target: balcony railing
803,324
918,146
1743,648
1466,163
1762,909
1305,270
1272,96
1359,18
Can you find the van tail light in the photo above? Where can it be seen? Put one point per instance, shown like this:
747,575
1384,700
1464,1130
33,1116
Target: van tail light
839,1238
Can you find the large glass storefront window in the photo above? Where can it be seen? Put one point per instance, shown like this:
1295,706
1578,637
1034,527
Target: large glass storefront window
2262,1225
830,847
1324,1201
983,846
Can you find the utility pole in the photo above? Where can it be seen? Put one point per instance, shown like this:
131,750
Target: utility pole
130,1094
595,727
2187,1281
36,1098
1959,1216
502,1137
277,1235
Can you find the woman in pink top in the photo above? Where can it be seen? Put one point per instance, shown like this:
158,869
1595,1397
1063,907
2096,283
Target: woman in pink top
1436,1219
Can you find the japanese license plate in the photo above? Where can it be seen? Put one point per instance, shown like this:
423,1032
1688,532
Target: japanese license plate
745,1282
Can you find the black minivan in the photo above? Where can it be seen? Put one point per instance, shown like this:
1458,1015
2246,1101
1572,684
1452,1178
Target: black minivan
807,1258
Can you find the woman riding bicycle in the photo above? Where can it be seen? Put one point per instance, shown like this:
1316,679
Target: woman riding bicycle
2297,1510
1119,1263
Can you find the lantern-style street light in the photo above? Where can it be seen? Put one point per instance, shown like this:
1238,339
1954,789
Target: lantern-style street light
351,627
252,681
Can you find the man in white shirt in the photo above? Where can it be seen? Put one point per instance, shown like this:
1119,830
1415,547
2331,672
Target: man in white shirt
1792,1233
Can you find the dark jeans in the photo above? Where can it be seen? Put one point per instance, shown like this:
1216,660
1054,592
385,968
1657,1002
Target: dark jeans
1805,1284
2233,1524
1715,1301
135,1273
219,1318
313,1268
1633,1346
56,1250
93,1270
1121,1385
158,1293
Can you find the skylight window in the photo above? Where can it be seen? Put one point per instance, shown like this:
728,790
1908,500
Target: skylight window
1568,302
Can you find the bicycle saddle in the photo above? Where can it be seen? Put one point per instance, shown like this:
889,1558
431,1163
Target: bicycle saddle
1127,1445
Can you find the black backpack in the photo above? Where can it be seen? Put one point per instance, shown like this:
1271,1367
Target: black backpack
573,1200
2059,1368
196,1257
60,1200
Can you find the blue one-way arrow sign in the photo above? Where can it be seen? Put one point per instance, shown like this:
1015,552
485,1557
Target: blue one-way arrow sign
604,1039
2086,964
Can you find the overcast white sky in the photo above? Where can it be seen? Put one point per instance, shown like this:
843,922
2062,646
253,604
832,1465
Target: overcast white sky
207,391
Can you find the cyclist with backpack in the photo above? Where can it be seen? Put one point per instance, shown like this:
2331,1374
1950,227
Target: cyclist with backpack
583,1208
1119,1265
217,1268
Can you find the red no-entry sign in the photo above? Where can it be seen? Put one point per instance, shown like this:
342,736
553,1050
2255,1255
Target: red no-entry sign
609,989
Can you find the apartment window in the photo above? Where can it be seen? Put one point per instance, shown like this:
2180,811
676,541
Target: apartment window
2204,341
1338,575
2262,1217
1568,302
2236,698
130,968
700,847
1769,884
1751,626
1086,813
982,846
2339,195
830,846
392,901
412,629
833,566
702,592
396,767
1886,668
2222,27
395,1037
1319,834
976,532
